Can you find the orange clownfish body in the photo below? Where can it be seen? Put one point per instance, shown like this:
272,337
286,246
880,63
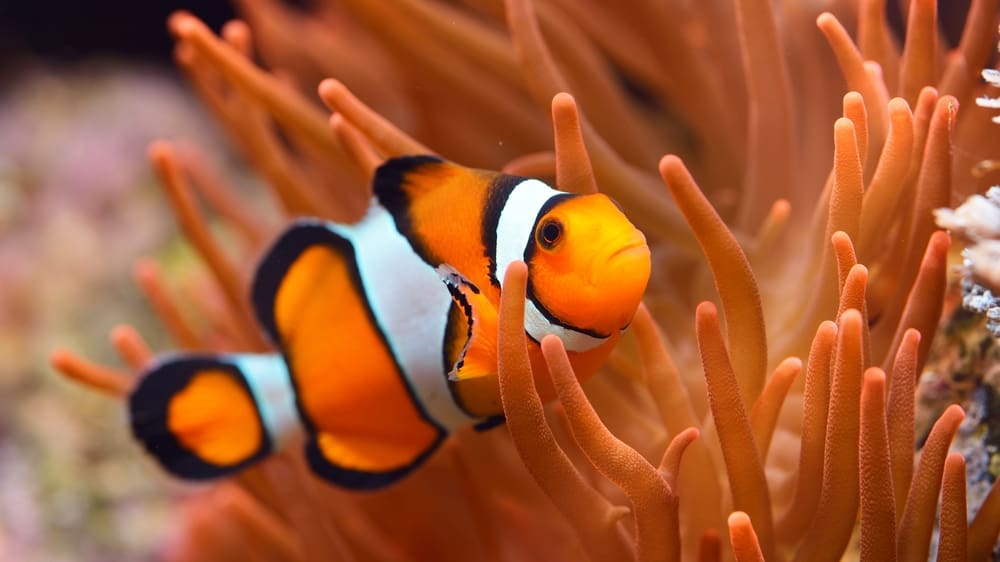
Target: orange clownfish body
387,328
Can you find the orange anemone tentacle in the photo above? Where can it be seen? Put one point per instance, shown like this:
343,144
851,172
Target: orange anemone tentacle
899,416
887,183
734,279
356,145
926,298
843,250
149,277
710,546
984,528
918,515
952,545
223,197
774,225
853,295
670,464
185,208
743,462
588,512
386,137
852,66
287,106
573,170
271,537
131,347
843,214
933,191
771,160
876,41
98,377
795,521
673,403
878,509
653,502
917,66
743,538
764,414
833,521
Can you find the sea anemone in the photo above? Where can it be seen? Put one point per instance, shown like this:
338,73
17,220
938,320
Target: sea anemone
786,419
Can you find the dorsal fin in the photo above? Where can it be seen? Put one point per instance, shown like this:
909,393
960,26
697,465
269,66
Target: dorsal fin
401,180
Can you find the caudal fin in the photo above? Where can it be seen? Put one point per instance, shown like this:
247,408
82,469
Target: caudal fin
204,416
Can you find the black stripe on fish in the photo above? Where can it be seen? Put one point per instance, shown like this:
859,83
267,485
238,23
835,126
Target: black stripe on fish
388,188
496,199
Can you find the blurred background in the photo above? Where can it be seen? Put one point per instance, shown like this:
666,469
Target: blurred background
84,87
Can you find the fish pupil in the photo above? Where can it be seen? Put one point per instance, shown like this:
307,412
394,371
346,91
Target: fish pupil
549,233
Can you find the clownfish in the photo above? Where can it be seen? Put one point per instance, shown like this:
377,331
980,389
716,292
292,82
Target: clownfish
386,329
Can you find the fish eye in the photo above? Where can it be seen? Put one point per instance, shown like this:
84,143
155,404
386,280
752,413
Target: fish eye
549,233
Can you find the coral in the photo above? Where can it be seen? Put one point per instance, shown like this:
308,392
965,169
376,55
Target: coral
652,460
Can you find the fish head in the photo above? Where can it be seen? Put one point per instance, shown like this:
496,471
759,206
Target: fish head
588,264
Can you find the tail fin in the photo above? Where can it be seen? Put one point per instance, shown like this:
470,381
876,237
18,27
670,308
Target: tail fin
204,416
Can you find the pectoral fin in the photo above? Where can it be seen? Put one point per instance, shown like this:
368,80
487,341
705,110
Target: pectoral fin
478,357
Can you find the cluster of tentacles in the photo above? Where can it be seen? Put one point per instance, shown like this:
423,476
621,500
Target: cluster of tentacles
654,460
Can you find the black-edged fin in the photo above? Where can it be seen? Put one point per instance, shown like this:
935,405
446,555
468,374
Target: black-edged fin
496,199
330,460
478,357
400,180
302,235
205,416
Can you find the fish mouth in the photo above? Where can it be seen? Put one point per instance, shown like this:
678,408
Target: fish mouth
630,248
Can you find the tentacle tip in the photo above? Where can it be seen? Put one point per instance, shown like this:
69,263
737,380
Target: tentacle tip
331,88
928,91
563,100
913,334
145,269
182,24
59,359
844,124
738,519
955,457
706,309
874,67
159,151
792,363
517,267
551,344
824,19
235,26
121,333
853,97
336,121
954,411
898,107
851,316
941,239
670,163
874,375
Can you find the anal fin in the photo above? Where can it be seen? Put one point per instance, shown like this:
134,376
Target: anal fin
364,462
